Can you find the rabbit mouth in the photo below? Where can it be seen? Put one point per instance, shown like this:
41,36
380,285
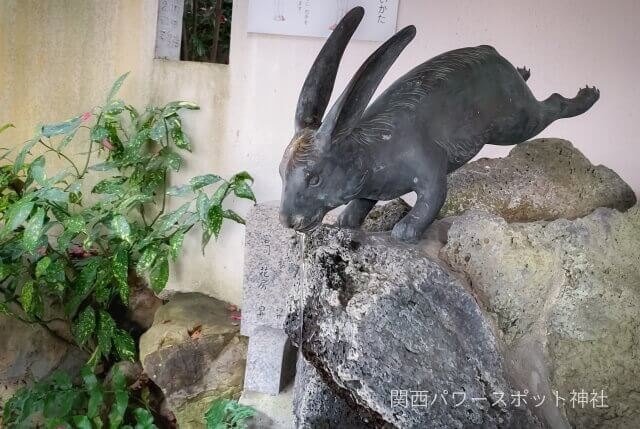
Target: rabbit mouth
310,226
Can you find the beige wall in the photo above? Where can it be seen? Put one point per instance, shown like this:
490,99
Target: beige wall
58,58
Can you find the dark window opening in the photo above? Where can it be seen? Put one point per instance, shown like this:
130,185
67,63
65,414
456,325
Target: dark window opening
206,31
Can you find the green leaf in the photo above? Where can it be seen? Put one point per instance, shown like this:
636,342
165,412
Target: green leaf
120,269
158,131
54,195
85,325
6,126
144,419
133,201
104,166
146,259
116,87
111,185
202,205
225,413
42,266
167,221
106,329
132,148
206,237
16,215
118,409
220,194
96,393
180,139
175,243
230,214
19,161
58,404
82,422
99,133
204,180
60,128
179,191
172,159
28,297
214,219
215,416
33,231
242,176
243,190
172,107
103,290
36,171
89,378
74,224
115,107
132,111
82,285
67,139
119,381
121,227
4,309
75,198
159,274
124,345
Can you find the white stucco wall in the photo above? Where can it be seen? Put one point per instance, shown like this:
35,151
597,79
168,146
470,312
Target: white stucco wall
58,58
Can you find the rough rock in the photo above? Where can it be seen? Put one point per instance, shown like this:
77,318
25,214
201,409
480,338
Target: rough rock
317,406
544,179
566,297
29,353
383,321
384,216
195,354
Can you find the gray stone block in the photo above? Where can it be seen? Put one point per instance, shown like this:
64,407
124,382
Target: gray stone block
271,269
272,261
270,361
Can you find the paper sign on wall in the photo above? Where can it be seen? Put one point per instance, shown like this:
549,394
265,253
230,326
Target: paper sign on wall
317,18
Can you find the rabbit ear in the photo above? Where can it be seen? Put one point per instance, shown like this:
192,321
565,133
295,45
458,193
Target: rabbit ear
316,91
350,106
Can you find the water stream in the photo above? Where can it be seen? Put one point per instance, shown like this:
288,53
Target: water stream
303,277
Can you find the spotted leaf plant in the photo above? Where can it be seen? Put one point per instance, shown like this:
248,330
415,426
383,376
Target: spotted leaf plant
72,238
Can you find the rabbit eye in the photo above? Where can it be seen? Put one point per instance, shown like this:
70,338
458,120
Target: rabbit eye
314,180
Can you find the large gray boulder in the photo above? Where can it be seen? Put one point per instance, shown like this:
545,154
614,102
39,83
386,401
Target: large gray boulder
544,179
565,296
548,312
317,406
29,353
392,330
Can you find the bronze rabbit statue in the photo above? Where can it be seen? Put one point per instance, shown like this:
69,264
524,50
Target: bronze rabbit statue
427,124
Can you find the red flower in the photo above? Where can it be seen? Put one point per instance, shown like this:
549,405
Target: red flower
86,116
107,144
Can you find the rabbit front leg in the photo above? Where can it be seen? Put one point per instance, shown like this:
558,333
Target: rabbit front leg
355,212
428,203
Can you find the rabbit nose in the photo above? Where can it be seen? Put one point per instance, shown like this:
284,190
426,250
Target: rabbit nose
285,220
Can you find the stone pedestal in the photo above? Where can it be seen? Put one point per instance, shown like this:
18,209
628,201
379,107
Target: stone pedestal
272,264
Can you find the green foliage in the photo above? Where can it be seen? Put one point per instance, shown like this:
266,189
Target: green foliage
227,414
76,253
65,246
59,403
199,42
